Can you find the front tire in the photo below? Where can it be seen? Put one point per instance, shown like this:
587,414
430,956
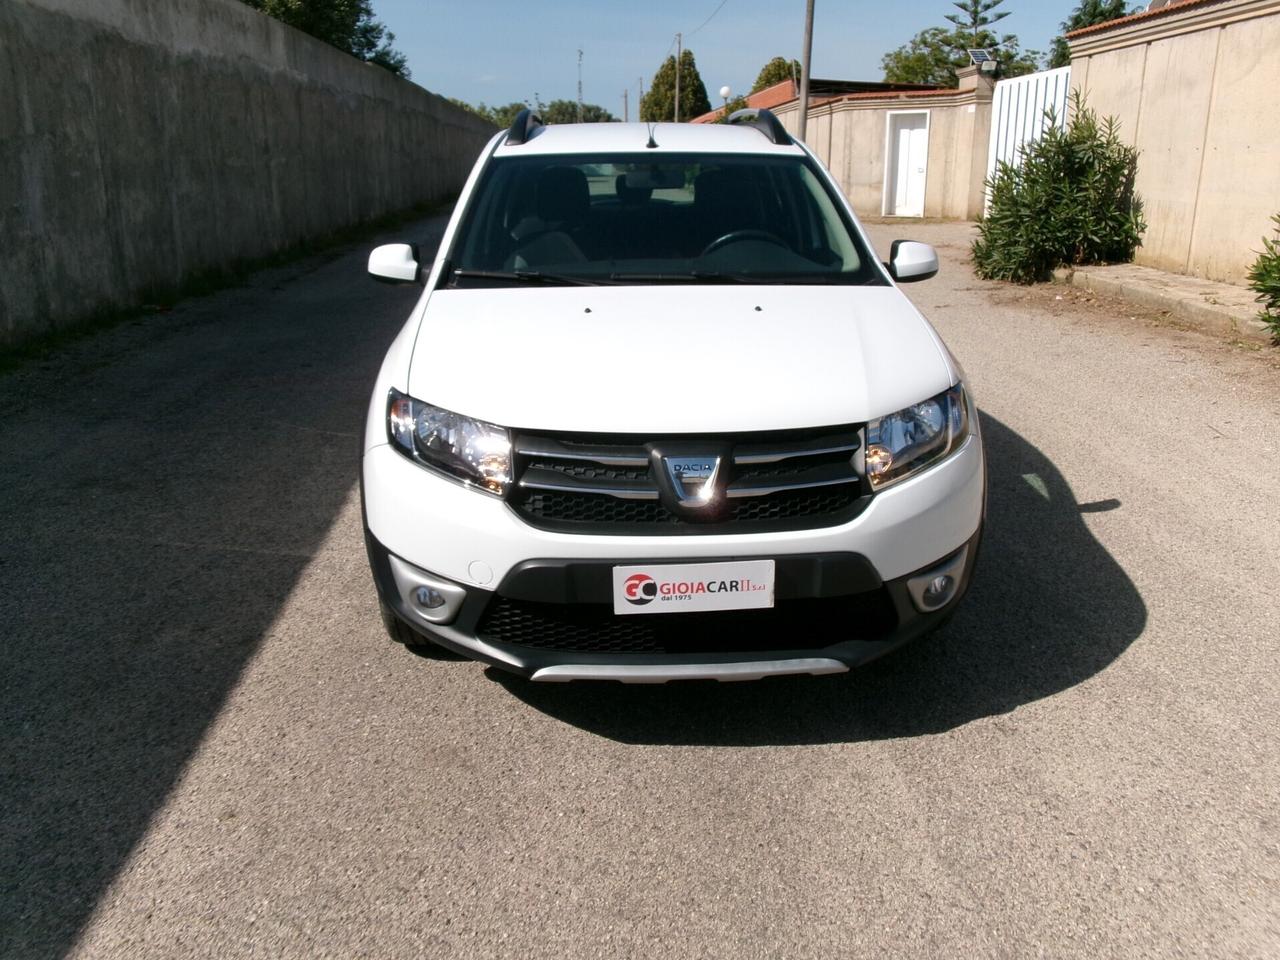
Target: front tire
397,629
401,633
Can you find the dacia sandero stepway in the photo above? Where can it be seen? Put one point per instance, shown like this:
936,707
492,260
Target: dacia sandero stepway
661,414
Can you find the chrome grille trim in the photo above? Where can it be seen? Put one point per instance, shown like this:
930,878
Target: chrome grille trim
747,453
539,479
609,456
764,491
587,472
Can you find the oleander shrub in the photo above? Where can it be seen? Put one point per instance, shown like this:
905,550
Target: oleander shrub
1264,279
1071,201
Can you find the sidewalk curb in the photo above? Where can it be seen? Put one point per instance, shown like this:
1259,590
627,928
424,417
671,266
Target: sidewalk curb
1220,319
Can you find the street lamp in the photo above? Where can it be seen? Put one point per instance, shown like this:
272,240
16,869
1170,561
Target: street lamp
724,95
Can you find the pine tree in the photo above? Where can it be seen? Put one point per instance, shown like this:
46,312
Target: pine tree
659,101
973,19
775,71
934,55
1089,13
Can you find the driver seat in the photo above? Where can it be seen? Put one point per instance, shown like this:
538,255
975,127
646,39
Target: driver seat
724,200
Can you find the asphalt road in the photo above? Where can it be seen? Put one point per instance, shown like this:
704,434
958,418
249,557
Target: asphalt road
210,749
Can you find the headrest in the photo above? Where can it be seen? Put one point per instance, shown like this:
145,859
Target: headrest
563,195
630,195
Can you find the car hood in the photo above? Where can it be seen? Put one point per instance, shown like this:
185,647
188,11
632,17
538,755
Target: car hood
672,359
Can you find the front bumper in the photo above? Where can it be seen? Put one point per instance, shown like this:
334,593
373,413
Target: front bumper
796,637
476,540
842,592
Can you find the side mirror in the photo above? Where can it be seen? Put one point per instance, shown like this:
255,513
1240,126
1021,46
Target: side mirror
910,261
394,263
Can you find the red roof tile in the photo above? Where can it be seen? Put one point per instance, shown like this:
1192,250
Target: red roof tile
781,92
1176,7
785,92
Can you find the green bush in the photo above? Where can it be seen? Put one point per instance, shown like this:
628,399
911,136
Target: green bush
1264,278
1070,201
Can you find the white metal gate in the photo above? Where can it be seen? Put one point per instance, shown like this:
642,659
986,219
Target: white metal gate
1018,112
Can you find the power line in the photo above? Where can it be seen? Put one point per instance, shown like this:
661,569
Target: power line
709,19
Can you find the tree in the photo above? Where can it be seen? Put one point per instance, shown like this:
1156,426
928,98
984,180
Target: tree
659,103
1087,14
499,116
346,24
734,105
566,111
775,71
557,111
372,43
929,57
973,18
934,55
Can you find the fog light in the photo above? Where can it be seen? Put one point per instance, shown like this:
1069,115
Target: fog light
425,595
428,598
938,591
935,588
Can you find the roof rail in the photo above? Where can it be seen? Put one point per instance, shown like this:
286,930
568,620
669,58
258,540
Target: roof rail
523,127
764,121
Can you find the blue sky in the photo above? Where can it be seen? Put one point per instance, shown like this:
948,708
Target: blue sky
498,51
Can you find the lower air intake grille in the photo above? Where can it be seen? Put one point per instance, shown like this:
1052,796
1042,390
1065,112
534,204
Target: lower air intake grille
594,628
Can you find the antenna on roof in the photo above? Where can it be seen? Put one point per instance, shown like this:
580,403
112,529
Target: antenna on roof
652,142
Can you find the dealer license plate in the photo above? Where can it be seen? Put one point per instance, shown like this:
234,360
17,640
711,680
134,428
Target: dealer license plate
693,587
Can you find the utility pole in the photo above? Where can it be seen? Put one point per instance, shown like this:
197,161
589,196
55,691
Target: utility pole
806,56
579,84
626,117
679,51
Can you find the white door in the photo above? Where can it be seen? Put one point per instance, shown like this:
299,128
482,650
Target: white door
909,156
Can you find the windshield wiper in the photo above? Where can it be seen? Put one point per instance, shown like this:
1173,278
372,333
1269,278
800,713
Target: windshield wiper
526,276
714,276
821,279
693,276
649,277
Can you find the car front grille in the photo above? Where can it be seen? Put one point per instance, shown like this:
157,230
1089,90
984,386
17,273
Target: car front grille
608,484
594,628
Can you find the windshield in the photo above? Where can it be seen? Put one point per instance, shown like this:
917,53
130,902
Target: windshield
636,219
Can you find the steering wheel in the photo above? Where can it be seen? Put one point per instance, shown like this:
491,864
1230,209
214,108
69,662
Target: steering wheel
734,236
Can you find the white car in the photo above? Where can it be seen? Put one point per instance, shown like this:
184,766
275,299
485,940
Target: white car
660,414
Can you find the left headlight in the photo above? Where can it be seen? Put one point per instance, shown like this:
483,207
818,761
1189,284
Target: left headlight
904,443
472,451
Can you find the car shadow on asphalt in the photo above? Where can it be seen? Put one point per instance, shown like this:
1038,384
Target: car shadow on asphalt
1048,608
159,506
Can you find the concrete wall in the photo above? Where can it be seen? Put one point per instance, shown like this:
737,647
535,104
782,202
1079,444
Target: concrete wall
1196,92
848,134
144,141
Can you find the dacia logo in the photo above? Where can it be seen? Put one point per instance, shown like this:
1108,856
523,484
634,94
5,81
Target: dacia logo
693,479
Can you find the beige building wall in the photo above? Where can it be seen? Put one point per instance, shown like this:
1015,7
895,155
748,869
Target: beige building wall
1197,91
849,136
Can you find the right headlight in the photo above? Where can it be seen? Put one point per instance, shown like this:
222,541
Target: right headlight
904,443
472,451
